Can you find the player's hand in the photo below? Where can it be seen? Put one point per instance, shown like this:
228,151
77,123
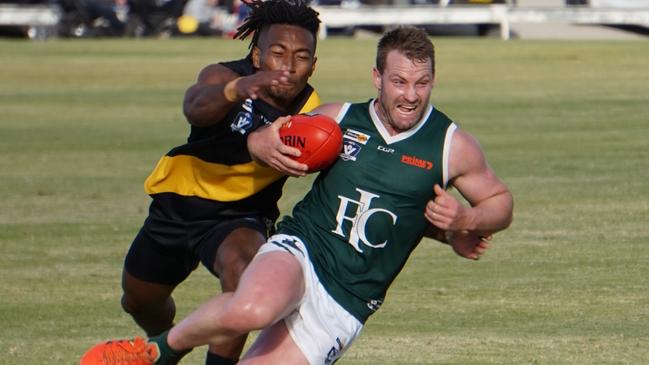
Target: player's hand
447,213
254,84
267,148
468,245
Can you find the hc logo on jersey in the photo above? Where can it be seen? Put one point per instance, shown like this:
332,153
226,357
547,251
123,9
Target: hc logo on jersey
362,216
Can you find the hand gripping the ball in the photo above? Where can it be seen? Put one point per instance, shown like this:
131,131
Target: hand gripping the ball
317,136
266,148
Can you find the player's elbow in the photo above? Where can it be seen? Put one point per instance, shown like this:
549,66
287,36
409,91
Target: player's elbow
193,113
508,209
199,110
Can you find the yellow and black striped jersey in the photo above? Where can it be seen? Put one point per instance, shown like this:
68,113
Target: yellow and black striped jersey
214,168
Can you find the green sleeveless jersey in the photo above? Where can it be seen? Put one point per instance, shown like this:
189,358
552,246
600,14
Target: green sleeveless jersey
365,214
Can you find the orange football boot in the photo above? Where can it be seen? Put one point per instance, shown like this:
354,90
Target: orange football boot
122,352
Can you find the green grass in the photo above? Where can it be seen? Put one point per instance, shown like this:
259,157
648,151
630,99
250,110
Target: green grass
565,124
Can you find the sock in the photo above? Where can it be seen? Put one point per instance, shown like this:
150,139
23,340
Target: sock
168,356
214,359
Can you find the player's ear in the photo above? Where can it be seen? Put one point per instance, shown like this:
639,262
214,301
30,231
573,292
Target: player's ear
376,77
256,57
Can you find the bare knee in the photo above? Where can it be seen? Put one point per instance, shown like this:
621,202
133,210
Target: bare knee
234,255
140,296
242,317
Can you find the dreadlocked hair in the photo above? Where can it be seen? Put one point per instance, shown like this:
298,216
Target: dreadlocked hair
265,13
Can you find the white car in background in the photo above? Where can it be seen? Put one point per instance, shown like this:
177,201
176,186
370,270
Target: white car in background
619,3
626,4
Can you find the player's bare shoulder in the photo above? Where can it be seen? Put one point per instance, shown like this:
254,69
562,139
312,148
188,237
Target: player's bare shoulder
465,154
216,74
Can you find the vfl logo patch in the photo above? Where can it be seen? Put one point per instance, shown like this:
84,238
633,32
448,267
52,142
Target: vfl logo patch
352,141
350,150
414,161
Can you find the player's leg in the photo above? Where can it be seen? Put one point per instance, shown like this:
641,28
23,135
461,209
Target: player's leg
151,272
270,288
274,345
150,304
243,237
318,331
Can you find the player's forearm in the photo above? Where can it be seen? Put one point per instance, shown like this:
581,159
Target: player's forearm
492,215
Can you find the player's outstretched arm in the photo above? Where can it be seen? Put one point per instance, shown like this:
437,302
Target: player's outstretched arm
218,89
491,203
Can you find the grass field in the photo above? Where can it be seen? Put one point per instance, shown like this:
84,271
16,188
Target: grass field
565,124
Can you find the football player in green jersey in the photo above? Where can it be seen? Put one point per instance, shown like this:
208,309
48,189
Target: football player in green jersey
313,285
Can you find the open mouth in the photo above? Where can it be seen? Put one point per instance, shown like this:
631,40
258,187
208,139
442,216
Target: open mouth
406,109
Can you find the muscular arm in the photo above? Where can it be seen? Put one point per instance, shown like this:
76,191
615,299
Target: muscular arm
491,203
205,103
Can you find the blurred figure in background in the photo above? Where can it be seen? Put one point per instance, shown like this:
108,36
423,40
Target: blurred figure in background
93,18
213,17
155,17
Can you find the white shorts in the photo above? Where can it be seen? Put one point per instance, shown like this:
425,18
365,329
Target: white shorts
320,327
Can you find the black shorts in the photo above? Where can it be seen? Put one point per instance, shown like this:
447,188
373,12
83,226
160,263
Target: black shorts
168,249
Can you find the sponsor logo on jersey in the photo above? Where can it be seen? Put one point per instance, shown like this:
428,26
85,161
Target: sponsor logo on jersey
363,213
417,162
334,352
356,136
385,149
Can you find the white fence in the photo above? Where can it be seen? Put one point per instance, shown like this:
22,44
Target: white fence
44,16
503,15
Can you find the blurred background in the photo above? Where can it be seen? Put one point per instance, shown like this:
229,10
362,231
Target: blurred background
527,19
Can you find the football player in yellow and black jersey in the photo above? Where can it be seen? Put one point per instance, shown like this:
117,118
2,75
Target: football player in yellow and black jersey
210,202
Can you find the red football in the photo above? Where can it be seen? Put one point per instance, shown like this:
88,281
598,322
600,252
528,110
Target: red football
317,136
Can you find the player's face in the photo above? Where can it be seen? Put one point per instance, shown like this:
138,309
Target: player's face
291,48
404,89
